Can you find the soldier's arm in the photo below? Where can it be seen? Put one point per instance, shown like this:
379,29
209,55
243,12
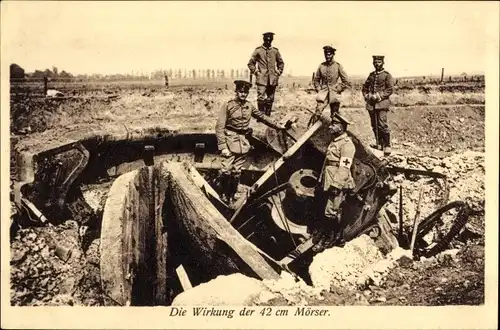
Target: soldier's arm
389,87
366,88
341,176
219,127
317,79
279,63
260,117
252,61
343,77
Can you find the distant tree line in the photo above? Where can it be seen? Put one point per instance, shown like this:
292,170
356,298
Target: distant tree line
18,73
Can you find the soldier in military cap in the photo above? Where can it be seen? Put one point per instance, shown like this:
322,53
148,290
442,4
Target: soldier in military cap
376,91
326,82
232,131
267,65
336,180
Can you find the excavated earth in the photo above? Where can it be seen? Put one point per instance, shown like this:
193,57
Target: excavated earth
444,138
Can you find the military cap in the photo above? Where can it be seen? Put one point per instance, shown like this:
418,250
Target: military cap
337,118
268,34
329,48
378,57
242,84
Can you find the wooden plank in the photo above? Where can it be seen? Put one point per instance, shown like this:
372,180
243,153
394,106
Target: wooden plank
200,182
416,220
160,289
297,252
183,278
206,226
273,168
113,242
387,237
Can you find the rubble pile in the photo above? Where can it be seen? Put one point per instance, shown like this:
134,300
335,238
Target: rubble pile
344,267
293,290
465,175
376,274
49,268
218,292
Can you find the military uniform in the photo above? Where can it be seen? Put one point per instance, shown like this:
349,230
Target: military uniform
326,83
336,181
232,129
377,89
267,65
337,173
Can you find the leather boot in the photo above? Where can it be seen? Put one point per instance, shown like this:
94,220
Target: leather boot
269,106
387,144
261,106
377,145
339,239
224,182
233,187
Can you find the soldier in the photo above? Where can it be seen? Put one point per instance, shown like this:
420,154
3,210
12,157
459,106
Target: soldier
232,131
166,80
376,91
326,82
336,181
269,67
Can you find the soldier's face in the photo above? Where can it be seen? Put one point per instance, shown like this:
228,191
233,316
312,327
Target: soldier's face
268,39
336,128
242,94
328,56
378,64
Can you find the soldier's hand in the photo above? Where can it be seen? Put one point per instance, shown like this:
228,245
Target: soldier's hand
314,118
225,152
289,123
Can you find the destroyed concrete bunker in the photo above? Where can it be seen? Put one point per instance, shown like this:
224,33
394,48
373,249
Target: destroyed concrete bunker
163,224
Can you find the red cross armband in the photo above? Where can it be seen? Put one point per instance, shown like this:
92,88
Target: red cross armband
345,162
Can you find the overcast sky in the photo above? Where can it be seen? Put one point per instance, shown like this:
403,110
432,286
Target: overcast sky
121,37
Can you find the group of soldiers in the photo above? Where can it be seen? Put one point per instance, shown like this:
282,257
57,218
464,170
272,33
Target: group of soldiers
232,127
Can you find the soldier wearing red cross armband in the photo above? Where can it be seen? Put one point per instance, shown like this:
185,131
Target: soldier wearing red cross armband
336,180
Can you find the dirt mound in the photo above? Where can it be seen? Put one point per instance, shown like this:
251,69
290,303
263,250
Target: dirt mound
38,114
441,280
48,267
428,129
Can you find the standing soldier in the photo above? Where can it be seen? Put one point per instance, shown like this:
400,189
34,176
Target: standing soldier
376,91
45,85
336,181
232,130
166,80
326,82
269,67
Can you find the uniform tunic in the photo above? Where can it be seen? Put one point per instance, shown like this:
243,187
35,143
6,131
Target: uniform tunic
232,122
267,65
339,157
326,78
381,84
337,172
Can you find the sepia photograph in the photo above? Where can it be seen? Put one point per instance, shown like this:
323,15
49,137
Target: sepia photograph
251,159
